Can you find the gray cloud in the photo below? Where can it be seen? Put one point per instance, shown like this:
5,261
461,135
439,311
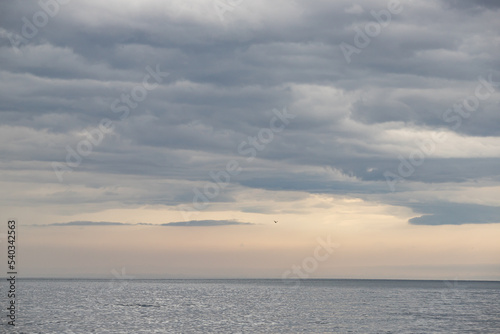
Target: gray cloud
455,214
87,223
473,4
198,223
190,223
224,80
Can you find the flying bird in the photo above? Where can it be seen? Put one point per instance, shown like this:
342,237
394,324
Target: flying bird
275,221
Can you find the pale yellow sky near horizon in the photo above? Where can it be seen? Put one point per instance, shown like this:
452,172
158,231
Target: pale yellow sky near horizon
374,241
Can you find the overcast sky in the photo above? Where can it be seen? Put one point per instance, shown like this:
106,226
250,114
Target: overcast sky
166,138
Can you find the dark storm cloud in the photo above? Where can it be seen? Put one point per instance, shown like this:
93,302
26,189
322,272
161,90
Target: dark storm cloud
225,78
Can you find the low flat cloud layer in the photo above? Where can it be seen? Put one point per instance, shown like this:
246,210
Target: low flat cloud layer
191,223
198,223
88,223
118,104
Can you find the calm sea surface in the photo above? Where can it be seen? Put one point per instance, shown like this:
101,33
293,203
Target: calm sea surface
254,306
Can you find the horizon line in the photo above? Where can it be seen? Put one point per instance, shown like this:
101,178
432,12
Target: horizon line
280,279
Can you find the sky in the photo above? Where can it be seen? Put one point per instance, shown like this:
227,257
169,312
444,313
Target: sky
155,139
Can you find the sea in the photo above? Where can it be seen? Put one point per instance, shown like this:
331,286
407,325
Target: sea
67,306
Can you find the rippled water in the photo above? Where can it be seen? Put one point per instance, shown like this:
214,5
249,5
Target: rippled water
255,306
